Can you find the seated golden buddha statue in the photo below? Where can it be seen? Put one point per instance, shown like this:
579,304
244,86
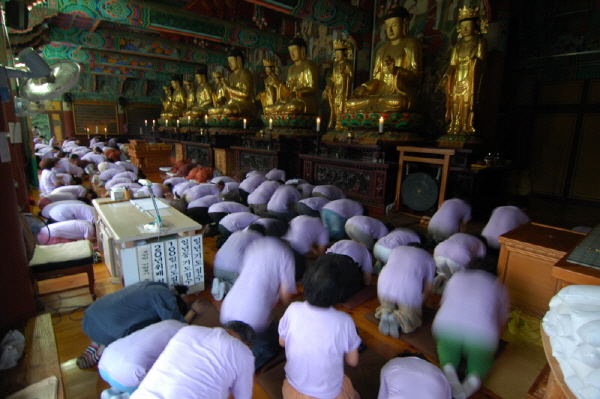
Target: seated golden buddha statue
202,95
166,102
238,89
271,94
299,93
396,72
178,99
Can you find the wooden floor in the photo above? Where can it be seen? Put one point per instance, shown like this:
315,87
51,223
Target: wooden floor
67,312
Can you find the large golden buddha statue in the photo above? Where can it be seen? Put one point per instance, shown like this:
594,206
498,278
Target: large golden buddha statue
299,94
396,72
238,89
337,90
462,80
178,99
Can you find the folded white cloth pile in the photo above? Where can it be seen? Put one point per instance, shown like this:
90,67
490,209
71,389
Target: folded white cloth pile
573,326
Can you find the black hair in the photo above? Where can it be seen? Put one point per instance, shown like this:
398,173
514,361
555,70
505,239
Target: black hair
407,353
280,182
141,174
415,244
259,228
220,183
181,305
170,185
77,180
520,201
243,330
389,226
73,156
98,150
92,193
86,201
324,280
460,194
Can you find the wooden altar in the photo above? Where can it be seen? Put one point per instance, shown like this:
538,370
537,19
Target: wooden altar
371,183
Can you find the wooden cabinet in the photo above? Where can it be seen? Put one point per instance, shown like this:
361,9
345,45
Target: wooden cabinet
527,258
224,160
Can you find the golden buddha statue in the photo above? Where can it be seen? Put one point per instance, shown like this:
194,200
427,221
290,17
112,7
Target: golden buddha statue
271,94
178,99
239,90
396,72
298,94
202,95
219,96
337,90
190,99
166,102
463,77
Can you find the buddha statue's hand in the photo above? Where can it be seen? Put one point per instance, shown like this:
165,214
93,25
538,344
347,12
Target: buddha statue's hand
359,92
390,64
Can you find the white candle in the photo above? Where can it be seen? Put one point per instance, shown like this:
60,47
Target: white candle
141,132
318,124
244,123
206,119
153,122
146,122
96,129
177,122
189,120
270,123
381,125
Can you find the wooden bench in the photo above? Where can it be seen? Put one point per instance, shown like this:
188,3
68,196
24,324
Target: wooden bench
39,361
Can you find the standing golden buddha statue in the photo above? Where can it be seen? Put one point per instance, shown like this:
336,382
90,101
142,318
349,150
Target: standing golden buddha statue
341,77
239,90
190,99
219,96
462,79
298,96
166,103
271,94
396,72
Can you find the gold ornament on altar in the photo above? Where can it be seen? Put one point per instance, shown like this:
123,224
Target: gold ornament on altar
462,79
338,89
269,63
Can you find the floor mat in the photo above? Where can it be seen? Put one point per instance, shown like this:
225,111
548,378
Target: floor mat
422,338
209,317
364,377
362,296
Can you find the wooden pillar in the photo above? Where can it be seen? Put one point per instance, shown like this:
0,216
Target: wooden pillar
68,118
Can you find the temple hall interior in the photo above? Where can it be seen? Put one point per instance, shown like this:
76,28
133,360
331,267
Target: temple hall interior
396,105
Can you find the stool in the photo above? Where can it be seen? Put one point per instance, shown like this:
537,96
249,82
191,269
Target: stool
52,261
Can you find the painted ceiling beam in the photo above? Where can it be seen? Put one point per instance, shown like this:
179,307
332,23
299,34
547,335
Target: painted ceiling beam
334,14
171,19
85,56
149,48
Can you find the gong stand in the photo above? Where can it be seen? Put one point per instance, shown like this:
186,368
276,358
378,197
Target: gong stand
426,155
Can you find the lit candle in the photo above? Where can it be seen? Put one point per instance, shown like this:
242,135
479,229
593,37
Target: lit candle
206,119
381,125
153,122
270,123
189,120
87,129
146,122
177,122
166,122
318,124
105,133
244,123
